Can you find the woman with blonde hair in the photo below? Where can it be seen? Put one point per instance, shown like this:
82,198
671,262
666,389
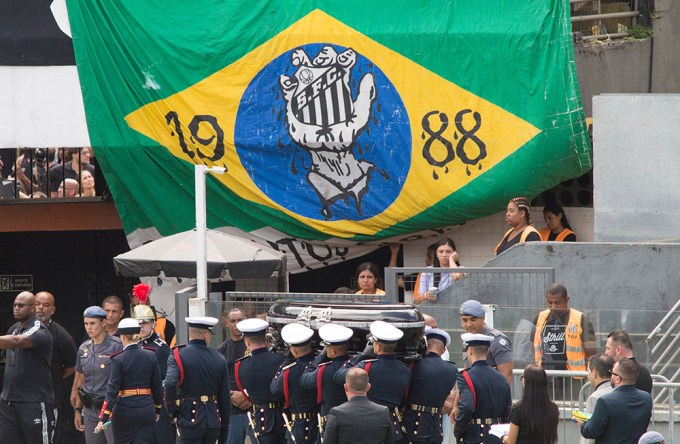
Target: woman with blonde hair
135,394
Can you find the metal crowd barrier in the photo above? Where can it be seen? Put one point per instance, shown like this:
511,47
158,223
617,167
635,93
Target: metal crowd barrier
506,286
661,413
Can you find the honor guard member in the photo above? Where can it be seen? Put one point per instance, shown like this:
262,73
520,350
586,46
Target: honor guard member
472,319
163,327
300,402
93,367
197,387
484,393
319,373
151,341
390,376
135,391
253,375
432,379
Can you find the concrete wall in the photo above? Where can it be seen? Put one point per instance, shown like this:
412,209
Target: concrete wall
640,66
666,50
41,106
632,285
613,276
612,67
636,166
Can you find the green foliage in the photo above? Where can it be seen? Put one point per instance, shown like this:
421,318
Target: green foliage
640,32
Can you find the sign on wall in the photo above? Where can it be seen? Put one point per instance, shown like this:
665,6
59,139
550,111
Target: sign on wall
17,282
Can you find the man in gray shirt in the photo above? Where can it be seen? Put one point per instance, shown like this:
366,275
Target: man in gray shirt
472,319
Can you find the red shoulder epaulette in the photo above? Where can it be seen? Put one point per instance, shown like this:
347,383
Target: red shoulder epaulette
117,353
180,367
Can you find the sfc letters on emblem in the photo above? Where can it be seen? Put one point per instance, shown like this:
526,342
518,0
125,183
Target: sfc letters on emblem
323,119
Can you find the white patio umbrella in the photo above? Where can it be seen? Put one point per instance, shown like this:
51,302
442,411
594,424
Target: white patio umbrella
175,255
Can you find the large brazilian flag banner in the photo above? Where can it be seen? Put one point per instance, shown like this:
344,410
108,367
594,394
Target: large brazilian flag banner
343,124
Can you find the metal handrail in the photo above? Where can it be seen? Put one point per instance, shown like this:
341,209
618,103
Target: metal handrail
673,311
666,334
585,18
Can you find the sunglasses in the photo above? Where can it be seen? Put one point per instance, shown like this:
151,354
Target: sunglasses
614,374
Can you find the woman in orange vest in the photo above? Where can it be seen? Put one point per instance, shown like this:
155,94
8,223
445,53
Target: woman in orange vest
558,228
518,216
367,279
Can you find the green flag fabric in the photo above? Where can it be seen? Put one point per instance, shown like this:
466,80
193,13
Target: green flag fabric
342,124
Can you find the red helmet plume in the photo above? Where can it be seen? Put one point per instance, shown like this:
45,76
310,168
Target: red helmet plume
141,292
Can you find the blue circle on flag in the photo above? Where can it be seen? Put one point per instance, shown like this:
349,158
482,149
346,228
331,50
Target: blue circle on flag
323,132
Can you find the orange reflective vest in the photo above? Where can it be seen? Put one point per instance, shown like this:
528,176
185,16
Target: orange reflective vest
523,237
573,333
160,330
545,233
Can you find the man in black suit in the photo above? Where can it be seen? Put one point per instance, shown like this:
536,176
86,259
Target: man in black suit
622,416
359,420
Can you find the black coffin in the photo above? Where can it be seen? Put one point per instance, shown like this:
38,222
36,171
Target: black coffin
355,315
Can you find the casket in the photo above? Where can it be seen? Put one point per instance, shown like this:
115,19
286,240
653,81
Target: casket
355,315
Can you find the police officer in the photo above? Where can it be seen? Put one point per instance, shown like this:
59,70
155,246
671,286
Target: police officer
253,375
151,341
93,367
135,391
300,402
432,379
484,393
390,377
197,386
319,373
472,319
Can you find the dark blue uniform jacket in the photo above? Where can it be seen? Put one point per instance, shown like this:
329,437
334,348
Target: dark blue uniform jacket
332,394
432,379
493,400
255,374
205,374
133,368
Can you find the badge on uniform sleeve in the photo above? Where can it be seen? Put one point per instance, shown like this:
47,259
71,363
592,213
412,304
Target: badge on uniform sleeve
502,342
